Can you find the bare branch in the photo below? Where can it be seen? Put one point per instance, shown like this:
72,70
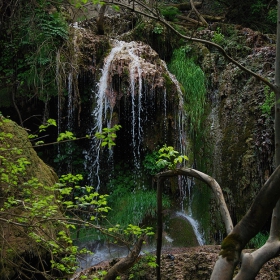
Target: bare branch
204,23
212,183
202,177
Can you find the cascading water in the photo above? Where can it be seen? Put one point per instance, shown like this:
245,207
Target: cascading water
68,105
194,225
132,92
102,113
136,91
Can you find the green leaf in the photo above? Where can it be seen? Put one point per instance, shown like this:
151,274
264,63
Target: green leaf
116,8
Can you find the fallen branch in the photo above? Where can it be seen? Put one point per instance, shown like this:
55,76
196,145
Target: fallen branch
187,18
127,262
186,6
203,21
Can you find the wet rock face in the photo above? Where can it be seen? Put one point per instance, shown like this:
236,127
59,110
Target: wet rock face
241,132
127,85
139,86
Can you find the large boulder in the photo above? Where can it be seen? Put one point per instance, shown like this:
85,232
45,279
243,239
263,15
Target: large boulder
22,222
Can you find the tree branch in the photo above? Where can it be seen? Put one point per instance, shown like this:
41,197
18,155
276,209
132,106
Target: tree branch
246,229
200,176
204,23
212,183
127,262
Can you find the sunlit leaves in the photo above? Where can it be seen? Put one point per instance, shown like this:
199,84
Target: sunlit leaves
116,7
50,122
169,158
108,136
67,135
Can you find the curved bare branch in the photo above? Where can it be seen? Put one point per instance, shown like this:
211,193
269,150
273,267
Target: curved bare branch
253,262
212,183
200,176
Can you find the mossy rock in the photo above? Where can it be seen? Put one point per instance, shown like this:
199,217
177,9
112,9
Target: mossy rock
17,248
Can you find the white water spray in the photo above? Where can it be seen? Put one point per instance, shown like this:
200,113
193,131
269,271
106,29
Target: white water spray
128,55
194,225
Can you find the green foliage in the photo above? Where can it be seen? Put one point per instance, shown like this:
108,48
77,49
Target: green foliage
121,182
50,122
164,158
258,6
158,29
256,14
259,240
108,136
139,269
169,12
272,16
134,207
265,13
67,135
42,128
44,214
130,230
169,158
218,37
116,8
192,79
268,102
150,163
30,37
12,162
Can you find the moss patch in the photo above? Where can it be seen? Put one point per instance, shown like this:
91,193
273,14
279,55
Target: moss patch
231,247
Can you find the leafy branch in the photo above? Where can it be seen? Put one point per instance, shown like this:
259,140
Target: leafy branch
169,158
108,136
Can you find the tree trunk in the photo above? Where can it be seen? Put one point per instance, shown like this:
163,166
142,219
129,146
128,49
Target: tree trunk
100,20
125,263
247,228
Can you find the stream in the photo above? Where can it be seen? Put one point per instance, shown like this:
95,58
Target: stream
106,252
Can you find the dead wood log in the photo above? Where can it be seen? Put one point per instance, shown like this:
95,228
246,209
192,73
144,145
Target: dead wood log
187,18
186,6
201,18
213,18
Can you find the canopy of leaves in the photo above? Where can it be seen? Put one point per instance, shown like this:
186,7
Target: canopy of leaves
30,33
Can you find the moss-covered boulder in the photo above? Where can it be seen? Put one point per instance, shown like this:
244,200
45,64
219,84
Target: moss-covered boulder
26,200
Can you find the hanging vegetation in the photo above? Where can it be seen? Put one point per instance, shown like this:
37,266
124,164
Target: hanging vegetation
192,79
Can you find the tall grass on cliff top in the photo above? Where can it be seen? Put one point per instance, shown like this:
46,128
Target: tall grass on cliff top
192,79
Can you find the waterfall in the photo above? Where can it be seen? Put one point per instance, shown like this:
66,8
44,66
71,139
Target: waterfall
104,105
136,73
194,225
144,78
